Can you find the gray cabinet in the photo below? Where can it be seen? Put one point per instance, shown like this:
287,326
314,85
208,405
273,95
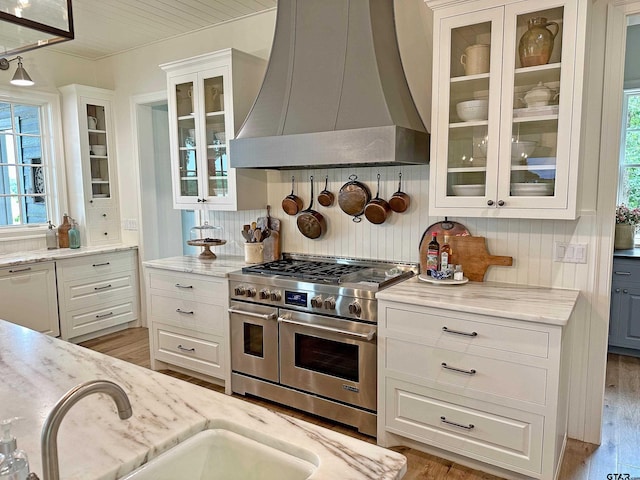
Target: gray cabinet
624,323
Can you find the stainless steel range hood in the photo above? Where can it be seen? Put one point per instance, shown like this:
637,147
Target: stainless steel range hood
334,93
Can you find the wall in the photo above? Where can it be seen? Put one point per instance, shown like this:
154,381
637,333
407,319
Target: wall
529,242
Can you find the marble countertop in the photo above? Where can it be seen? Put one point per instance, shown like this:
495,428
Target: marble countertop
36,256
93,443
521,302
219,267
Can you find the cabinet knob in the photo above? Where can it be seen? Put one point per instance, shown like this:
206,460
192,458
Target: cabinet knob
490,202
90,201
625,291
104,215
204,200
106,233
501,203
617,290
199,200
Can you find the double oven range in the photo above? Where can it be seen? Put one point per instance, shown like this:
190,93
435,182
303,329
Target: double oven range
303,333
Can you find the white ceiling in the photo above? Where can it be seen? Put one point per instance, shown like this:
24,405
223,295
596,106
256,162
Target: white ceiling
107,27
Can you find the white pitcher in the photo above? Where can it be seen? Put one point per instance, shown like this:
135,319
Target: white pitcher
92,122
475,59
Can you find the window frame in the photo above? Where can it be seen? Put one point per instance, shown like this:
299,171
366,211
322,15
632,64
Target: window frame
52,149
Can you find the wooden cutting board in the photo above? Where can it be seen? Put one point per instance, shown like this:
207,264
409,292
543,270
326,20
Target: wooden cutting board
471,253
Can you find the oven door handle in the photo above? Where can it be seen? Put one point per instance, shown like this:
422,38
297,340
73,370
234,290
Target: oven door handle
264,316
366,336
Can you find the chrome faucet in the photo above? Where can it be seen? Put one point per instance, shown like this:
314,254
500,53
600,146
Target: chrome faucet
49,438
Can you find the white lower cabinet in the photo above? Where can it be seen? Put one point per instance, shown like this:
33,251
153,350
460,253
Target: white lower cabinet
486,391
28,297
188,324
97,294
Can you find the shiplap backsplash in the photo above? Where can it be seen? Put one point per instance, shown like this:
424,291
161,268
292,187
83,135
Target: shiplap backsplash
529,242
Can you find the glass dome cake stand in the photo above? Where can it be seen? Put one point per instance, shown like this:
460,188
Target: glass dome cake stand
206,236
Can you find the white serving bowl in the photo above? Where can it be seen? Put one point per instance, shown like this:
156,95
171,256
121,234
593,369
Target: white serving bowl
473,110
468,190
521,149
532,189
99,149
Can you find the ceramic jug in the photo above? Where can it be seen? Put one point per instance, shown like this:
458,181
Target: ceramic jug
536,44
92,123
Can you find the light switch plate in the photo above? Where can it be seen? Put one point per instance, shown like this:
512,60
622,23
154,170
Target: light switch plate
570,252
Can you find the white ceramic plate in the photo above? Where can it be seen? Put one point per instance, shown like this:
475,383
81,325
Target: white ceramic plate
531,189
536,111
468,190
446,281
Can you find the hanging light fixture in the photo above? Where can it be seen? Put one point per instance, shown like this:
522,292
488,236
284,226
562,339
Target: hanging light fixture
21,78
30,24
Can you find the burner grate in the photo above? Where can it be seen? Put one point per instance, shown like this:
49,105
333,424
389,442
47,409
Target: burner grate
307,270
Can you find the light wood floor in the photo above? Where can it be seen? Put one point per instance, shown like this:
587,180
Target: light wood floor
619,452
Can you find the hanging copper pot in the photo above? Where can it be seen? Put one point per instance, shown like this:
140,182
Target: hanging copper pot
311,223
353,197
292,204
399,201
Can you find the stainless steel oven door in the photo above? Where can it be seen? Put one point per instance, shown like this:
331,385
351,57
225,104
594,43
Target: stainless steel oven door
254,340
328,356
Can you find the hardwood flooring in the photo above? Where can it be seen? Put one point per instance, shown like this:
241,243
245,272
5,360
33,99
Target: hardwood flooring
619,452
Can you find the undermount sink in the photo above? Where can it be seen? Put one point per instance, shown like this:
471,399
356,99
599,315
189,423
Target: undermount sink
220,453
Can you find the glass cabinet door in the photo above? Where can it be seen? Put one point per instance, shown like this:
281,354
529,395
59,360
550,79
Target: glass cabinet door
187,139
468,108
217,178
534,155
98,152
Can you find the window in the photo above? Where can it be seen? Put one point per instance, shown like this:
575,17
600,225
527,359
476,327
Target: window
29,149
629,181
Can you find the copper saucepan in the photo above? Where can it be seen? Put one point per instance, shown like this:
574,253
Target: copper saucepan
399,201
311,223
292,204
325,197
353,197
377,209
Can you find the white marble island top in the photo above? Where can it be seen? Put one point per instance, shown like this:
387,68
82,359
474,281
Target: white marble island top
521,302
43,255
219,267
93,443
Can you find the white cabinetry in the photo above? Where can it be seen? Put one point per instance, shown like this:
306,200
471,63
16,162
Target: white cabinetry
90,150
515,159
209,98
467,386
98,294
188,324
28,297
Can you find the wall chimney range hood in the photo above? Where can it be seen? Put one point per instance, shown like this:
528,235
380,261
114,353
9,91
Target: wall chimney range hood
334,92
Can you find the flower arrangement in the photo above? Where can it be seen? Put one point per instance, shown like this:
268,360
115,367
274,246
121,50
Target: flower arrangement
627,216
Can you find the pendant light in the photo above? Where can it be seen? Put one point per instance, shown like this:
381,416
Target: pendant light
21,78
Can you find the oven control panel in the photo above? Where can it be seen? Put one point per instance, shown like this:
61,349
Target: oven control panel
306,300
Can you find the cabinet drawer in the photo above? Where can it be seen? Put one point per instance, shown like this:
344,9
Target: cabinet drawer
189,286
436,326
500,436
99,216
83,321
90,292
625,270
191,314
467,374
178,347
97,266
108,232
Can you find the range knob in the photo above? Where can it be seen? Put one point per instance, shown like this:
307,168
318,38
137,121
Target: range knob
355,308
264,294
316,301
251,292
239,290
276,295
330,303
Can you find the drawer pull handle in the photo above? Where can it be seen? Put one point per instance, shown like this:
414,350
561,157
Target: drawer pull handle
183,286
101,264
179,310
458,332
185,349
104,315
622,273
459,370
471,426
20,270
102,288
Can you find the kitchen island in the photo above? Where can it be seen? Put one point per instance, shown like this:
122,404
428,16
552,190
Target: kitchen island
93,443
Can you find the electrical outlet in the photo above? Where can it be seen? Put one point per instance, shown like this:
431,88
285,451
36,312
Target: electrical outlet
130,224
570,252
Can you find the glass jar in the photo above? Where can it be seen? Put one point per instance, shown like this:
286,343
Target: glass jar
206,233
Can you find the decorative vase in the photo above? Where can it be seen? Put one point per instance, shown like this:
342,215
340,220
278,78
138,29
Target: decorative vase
624,238
536,44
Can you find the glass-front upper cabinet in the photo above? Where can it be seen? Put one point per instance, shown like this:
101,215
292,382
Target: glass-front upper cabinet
506,111
97,132
204,113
